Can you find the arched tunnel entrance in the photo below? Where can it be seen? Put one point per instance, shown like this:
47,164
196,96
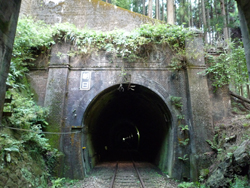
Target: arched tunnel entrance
131,122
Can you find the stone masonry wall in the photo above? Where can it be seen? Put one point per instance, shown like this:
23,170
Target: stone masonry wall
94,14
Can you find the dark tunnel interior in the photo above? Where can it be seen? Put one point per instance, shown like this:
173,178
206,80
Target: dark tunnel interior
129,124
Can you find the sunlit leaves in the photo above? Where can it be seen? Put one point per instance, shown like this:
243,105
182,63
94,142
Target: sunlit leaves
25,112
229,66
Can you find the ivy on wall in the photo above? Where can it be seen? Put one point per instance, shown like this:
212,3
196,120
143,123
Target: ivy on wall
33,35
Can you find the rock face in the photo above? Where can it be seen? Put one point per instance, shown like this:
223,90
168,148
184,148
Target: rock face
237,164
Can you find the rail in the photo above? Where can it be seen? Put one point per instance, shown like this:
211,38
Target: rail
137,172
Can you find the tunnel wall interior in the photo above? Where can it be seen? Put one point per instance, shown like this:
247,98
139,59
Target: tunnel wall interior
127,124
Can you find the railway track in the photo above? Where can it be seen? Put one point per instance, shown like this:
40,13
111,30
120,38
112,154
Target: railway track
127,175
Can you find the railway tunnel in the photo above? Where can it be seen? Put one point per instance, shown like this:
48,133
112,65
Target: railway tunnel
128,121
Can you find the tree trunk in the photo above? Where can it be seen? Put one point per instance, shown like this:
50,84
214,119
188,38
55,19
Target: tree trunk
163,19
157,9
181,12
209,26
212,26
200,14
245,37
204,20
150,8
248,91
216,13
241,90
190,17
170,12
143,7
223,14
239,97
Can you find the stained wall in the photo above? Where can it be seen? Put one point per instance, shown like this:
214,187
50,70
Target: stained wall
9,11
93,14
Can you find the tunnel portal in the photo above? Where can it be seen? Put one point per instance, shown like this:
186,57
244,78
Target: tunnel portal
126,121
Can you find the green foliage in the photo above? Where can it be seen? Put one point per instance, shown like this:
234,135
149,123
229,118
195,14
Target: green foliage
57,182
184,127
239,182
185,142
122,3
203,174
31,36
36,35
229,66
28,119
184,158
248,116
65,183
186,185
215,144
51,159
31,119
26,113
176,101
180,117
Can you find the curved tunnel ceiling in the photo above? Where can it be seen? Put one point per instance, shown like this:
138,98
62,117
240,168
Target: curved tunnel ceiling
136,120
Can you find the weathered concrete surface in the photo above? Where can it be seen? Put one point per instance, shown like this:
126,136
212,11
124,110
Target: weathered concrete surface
93,14
199,103
220,101
56,90
9,11
38,82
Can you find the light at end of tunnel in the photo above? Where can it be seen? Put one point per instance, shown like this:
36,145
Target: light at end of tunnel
106,147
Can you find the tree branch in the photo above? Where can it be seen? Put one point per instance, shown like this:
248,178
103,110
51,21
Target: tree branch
239,97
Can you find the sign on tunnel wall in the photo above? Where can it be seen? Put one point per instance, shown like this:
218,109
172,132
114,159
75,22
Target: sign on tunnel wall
85,80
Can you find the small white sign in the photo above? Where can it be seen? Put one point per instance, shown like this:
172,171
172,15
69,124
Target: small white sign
85,80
